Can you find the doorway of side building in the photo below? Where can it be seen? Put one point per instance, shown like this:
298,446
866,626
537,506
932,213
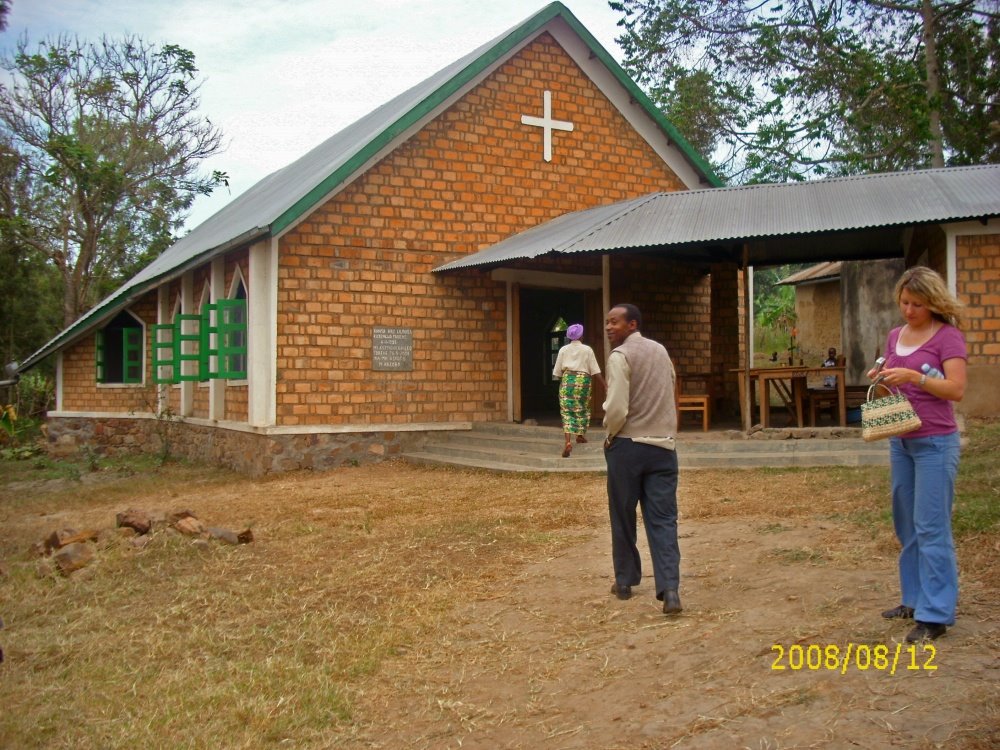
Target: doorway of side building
544,315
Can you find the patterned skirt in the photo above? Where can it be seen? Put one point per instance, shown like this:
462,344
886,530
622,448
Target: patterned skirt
574,402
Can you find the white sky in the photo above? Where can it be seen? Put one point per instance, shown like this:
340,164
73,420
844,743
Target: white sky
280,76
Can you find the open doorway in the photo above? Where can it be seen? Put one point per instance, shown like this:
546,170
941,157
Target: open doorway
544,317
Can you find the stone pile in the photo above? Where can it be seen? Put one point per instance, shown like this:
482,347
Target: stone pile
71,550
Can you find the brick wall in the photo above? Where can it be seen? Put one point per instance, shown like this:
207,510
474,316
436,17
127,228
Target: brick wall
675,302
80,391
470,178
199,406
978,286
727,322
236,403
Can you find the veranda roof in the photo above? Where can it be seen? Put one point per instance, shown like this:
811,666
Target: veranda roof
848,218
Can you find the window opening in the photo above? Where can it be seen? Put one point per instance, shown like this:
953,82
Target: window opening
556,339
210,344
119,350
233,333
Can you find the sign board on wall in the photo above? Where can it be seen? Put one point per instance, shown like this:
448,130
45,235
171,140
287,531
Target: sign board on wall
392,349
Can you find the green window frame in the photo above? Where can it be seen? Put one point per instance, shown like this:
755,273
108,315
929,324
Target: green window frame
222,323
231,338
118,356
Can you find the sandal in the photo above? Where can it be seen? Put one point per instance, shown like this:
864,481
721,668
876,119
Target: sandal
567,450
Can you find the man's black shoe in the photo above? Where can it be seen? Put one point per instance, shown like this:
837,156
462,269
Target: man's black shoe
926,631
622,592
902,612
671,602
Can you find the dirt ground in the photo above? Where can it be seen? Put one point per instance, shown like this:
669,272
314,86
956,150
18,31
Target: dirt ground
548,658
779,580
551,660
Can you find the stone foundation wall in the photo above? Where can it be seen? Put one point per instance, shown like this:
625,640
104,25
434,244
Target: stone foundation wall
248,453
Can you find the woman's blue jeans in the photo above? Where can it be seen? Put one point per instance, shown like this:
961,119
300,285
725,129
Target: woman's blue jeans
923,492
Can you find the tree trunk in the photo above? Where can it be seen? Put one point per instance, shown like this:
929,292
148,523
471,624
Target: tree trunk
69,298
62,261
933,84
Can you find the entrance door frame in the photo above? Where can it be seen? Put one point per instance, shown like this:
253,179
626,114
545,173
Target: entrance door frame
515,279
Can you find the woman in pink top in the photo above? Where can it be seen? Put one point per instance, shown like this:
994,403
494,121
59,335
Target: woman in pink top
924,462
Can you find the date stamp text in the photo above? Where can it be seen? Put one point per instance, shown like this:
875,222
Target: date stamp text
861,657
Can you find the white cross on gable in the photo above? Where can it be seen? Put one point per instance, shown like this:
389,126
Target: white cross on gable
547,123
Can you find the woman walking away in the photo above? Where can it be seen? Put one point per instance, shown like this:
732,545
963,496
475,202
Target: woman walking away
925,359
575,366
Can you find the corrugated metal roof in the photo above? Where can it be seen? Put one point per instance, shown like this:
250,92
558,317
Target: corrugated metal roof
819,272
719,216
284,196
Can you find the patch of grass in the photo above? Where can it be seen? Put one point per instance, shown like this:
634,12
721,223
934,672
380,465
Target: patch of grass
772,528
872,520
797,555
977,491
40,467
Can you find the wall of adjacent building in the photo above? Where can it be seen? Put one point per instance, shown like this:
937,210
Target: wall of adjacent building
978,286
818,319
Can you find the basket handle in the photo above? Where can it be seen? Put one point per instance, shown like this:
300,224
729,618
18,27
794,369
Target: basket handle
878,382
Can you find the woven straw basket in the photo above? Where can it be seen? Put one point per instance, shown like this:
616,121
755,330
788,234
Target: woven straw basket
887,416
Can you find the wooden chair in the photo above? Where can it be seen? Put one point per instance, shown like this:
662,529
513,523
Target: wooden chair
819,400
823,399
694,402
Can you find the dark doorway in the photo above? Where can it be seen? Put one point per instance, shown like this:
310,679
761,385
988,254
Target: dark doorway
544,315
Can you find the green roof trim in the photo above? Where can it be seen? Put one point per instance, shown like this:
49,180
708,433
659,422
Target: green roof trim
125,296
469,73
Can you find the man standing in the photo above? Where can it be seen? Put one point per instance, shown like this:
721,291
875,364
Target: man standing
641,418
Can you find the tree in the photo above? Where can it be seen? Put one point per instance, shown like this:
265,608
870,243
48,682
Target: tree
778,90
108,142
23,327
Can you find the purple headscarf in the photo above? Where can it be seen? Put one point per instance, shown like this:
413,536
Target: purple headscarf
574,332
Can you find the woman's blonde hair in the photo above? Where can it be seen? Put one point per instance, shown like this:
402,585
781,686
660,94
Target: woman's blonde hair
930,287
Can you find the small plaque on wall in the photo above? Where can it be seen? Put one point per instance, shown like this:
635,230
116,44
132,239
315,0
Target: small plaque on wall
392,349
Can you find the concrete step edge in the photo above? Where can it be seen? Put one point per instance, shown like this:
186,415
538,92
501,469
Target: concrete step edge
692,447
596,462
420,457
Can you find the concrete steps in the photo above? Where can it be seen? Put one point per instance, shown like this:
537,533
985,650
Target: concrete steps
511,447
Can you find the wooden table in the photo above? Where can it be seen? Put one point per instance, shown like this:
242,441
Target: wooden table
790,385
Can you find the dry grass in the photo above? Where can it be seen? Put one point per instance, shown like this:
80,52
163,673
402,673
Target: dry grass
347,600
253,643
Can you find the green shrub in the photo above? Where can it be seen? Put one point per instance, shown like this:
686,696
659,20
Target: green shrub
35,395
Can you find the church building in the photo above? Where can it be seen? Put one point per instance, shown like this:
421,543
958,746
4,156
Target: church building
320,319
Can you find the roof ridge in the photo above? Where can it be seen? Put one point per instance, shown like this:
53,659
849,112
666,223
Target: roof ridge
868,176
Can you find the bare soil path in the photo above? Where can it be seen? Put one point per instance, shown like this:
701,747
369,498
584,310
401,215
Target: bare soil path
551,660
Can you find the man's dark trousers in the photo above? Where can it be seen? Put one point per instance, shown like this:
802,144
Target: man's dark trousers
638,472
